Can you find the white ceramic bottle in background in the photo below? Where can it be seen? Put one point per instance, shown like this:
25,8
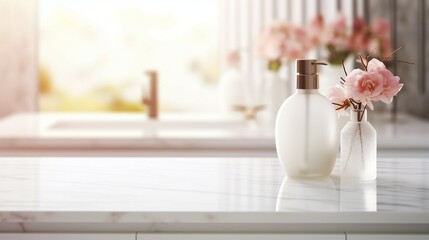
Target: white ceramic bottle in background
306,131
233,87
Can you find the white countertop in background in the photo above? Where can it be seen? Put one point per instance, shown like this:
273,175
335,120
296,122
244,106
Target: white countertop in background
174,135
205,190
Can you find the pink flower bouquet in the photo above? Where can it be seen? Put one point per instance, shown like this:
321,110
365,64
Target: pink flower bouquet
340,40
282,41
362,87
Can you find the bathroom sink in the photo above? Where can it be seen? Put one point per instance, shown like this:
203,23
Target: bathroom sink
100,125
131,126
137,126
106,134
65,125
143,128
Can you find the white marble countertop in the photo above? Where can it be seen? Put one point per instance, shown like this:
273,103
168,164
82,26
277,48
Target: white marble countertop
206,190
173,135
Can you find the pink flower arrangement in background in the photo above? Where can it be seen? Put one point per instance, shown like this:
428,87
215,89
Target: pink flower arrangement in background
285,41
282,41
362,87
381,41
337,35
316,30
341,40
232,59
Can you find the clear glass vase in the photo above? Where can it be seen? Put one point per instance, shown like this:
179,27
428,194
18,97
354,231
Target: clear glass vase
358,148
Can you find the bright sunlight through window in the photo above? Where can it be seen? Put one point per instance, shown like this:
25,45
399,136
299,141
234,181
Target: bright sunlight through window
93,53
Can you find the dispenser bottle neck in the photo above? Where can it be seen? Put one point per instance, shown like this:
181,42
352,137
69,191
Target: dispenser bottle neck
307,76
307,81
307,91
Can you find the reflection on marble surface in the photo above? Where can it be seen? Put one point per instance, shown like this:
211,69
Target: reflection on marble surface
309,195
110,185
323,195
358,196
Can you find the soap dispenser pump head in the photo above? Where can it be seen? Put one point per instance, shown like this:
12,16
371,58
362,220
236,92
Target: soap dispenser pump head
307,76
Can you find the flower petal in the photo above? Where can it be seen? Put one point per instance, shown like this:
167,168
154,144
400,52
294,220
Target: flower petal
375,64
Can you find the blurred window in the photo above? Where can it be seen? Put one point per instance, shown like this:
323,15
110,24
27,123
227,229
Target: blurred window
92,54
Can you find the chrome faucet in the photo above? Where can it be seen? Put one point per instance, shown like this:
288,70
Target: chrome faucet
151,98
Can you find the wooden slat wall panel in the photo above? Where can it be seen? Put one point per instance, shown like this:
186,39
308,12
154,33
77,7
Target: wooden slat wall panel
297,12
256,27
411,98
311,6
422,46
223,19
329,10
426,54
244,44
359,7
347,9
377,11
245,20
231,25
413,35
268,8
282,9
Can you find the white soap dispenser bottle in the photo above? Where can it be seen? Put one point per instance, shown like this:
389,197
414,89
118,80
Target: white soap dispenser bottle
306,127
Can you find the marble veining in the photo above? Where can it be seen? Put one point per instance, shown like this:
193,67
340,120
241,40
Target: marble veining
160,189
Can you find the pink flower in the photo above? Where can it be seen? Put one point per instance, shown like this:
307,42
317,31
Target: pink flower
364,86
375,65
294,50
270,45
391,85
360,39
385,46
337,35
359,42
339,24
317,22
281,40
381,37
300,34
338,96
316,30
358,25
232,59
380,27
